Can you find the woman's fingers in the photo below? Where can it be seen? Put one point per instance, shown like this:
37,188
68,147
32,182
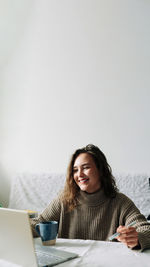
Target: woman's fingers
128,236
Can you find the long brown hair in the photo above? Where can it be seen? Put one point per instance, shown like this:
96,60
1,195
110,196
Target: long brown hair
71,189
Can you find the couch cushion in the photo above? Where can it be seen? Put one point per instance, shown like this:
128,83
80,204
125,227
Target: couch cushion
137,188
34,191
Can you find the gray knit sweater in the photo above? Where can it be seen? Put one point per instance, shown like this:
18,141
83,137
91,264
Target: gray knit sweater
96,217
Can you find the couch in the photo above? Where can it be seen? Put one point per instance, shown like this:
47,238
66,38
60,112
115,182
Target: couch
34,191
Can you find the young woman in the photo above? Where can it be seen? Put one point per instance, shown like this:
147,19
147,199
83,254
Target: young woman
90,206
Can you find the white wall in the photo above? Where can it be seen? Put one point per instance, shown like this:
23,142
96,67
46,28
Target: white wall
73,73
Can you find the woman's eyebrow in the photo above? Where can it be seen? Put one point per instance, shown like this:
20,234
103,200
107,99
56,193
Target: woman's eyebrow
84,164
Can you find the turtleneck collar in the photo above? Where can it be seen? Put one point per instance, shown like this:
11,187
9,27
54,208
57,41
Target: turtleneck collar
93,199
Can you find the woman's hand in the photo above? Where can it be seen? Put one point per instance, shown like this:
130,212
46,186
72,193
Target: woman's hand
128,236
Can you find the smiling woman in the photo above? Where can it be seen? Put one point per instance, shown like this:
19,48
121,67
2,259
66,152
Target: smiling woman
90,206
88,170
86,174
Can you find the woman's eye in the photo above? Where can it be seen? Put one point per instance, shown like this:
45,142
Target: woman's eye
75,170
86,167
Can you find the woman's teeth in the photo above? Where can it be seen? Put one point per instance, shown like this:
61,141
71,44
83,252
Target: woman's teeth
83,180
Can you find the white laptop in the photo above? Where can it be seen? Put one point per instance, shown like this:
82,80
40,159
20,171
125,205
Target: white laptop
17,244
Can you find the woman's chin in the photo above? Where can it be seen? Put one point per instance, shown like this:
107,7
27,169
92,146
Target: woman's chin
83,187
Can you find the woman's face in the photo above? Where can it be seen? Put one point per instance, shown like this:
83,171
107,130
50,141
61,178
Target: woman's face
86,174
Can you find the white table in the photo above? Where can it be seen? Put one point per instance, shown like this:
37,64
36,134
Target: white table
97,254
102,254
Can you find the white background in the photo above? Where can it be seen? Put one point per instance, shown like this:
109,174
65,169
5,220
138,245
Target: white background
73,72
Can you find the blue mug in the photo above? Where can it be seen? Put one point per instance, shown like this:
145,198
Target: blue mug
48,232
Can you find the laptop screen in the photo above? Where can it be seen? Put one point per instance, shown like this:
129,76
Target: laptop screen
17,244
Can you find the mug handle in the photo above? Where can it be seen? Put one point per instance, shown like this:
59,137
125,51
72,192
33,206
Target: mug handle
37,229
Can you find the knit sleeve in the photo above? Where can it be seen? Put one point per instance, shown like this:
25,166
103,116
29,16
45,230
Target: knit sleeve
131,213
50,213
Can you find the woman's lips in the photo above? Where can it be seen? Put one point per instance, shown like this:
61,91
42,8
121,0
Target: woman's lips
83,180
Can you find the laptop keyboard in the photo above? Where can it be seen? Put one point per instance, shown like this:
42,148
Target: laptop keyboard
45,258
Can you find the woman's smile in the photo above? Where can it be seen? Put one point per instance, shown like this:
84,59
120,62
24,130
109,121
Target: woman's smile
83,180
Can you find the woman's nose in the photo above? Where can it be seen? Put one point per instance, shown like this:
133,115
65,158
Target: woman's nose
80,173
